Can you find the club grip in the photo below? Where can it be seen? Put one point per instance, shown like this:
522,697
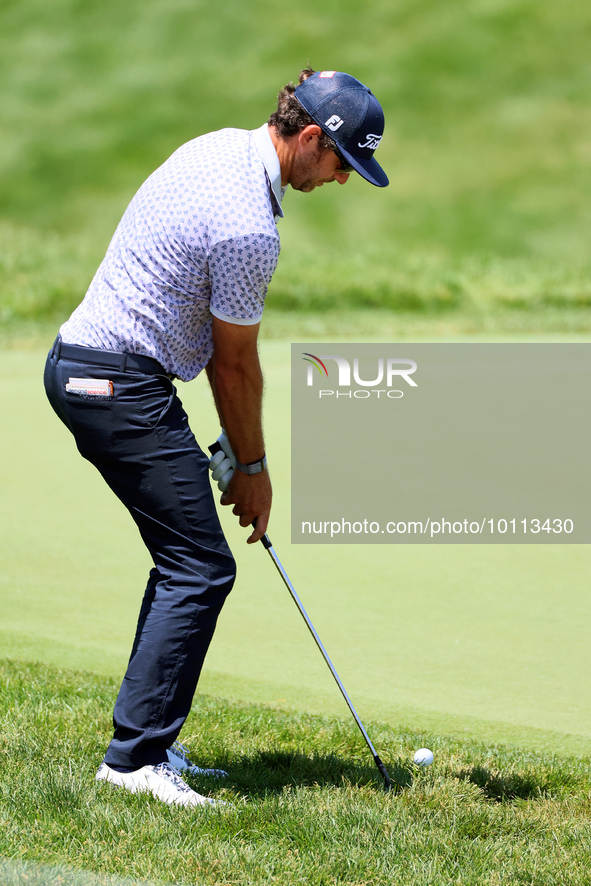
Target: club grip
265,540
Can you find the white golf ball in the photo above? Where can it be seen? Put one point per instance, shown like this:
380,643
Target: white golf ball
423,757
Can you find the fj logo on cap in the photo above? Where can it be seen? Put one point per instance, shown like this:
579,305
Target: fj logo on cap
334,123
371,141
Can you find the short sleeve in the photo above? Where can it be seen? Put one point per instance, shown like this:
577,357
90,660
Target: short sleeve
240,271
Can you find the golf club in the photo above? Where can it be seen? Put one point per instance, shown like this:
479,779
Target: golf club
266,542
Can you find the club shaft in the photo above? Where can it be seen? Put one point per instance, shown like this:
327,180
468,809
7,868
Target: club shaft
266,541
269,547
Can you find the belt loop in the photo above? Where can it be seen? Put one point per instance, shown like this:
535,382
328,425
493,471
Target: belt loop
123,363
57,347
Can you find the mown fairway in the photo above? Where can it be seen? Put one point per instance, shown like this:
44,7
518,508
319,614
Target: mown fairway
486,640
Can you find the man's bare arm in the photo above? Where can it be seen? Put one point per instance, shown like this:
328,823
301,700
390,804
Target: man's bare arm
236,380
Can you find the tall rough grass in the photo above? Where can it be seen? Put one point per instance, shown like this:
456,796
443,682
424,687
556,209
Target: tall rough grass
304,801
485,226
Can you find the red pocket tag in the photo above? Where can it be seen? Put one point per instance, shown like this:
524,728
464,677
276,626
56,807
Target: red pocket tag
90,387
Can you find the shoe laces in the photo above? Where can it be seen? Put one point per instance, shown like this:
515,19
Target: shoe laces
172,776
183,754
181,751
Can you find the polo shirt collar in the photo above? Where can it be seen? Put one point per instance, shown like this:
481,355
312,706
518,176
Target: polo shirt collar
268,155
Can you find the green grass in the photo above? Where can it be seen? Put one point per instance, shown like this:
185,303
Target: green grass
487,130
487,641
392,294
483,232
486,224
305,803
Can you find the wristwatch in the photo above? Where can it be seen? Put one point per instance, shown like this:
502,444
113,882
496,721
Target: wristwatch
254,467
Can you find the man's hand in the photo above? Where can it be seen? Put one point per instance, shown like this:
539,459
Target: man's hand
251,495
222,461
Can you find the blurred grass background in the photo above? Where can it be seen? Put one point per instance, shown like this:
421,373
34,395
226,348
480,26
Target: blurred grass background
484,228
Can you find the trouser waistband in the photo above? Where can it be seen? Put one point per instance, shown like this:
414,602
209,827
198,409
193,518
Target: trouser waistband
110,359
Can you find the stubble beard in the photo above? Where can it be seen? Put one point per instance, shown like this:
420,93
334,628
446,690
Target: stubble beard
303,171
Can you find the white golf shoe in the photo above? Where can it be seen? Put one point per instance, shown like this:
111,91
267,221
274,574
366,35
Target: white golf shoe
178,757
162,781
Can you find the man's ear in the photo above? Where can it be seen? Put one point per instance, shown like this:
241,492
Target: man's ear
308,137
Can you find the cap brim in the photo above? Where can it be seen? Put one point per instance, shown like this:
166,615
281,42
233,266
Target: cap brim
369,169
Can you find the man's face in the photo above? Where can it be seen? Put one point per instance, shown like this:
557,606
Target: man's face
314,167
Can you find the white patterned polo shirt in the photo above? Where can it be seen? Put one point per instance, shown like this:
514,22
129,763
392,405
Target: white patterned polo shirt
198,239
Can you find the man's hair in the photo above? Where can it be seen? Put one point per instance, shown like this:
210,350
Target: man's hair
290,117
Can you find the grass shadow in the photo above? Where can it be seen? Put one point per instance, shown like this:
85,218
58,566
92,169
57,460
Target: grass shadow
267,772
506,787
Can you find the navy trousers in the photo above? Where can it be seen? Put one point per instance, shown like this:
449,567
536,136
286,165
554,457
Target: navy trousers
140,441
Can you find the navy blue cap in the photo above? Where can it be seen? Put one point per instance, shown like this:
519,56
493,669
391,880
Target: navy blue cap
351,115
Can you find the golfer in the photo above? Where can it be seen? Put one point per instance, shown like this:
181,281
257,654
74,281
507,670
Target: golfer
181,289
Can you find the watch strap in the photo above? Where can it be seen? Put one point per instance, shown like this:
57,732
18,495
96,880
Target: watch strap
255,467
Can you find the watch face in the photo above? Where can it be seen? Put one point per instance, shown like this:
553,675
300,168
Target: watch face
254,468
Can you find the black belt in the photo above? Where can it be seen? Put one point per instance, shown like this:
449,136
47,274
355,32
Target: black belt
112,359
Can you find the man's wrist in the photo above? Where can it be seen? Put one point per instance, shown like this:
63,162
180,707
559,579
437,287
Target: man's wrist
253,467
